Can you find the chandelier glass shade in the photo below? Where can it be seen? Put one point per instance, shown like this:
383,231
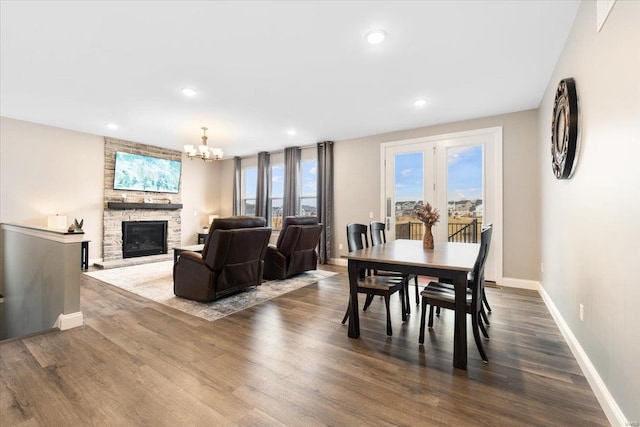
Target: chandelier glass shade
203,151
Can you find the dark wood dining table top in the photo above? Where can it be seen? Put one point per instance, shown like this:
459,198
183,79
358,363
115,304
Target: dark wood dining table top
446,255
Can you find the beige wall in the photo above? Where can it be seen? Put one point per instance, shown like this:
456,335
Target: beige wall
200,196
590,228
46,170
357,182
226,188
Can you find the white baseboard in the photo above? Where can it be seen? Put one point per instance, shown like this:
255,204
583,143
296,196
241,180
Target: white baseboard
339,261
68,321
607,402
511,282
94,260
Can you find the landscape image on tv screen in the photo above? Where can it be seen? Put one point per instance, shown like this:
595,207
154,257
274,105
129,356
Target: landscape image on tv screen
145,173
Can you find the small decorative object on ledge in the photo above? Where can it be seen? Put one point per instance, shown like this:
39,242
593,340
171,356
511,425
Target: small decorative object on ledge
429,216
564,129
76,227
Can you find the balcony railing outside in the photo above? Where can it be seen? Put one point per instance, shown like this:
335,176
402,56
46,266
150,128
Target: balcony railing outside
462,232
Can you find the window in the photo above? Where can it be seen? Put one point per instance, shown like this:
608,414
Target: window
277,193
307,202
249,189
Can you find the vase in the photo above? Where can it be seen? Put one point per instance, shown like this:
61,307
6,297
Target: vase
427,240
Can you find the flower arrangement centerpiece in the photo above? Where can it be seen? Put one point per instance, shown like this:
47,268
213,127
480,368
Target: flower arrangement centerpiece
429,216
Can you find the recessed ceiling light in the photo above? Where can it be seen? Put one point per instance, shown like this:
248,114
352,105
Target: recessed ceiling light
189,92
376,36
420,103
111,125
291,132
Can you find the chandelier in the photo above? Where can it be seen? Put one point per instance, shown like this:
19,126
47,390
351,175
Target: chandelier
203,151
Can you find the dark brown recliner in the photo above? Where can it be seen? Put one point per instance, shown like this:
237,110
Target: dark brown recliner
295,251
232,259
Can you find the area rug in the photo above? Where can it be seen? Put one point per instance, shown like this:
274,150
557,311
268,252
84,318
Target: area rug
155,281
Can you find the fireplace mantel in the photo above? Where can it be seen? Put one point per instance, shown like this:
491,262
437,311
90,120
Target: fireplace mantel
154,206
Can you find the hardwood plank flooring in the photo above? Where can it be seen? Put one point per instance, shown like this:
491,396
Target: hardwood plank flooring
289,362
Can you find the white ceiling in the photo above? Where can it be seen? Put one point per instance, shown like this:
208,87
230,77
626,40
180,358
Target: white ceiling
262,68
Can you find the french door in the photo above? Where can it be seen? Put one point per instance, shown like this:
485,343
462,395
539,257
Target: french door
460,175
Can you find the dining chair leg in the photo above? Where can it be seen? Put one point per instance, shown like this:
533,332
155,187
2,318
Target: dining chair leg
476,337
430,316
367,302
484,316
405,308
386,304
438,311
407,303
482,328
486,303
422,319
417,293
346,315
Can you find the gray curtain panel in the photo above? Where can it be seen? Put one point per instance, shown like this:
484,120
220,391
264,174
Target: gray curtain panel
264,180
291,179
325,199
237,189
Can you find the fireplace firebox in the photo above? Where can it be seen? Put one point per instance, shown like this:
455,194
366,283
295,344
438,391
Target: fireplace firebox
143,238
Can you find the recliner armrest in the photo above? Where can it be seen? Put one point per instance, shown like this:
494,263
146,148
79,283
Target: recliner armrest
191,257
275,264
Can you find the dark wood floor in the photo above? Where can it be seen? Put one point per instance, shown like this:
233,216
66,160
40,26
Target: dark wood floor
289,362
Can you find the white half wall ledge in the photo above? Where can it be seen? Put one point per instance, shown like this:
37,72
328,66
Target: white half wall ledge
606,400
68,321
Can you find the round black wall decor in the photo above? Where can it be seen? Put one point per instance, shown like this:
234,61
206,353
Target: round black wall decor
564,129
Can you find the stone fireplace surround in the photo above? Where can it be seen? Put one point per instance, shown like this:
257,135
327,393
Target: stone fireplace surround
112,218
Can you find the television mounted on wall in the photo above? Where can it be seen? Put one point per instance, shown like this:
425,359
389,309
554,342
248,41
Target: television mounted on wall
145,173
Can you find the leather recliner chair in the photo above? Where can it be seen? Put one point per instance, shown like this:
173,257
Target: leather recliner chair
232,259
295,251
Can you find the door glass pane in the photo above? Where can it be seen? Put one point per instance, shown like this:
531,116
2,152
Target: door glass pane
464,193
408,194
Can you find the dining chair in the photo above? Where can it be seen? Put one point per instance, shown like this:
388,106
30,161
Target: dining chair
486,305
384,286
442,295
378,237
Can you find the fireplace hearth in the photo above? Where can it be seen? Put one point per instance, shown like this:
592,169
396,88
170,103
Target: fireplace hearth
143,238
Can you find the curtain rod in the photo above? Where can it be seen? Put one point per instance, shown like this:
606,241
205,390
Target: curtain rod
278,151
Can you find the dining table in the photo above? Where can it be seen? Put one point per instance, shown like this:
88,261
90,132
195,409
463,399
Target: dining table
450,260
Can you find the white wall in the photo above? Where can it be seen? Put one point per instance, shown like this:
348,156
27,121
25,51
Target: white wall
590,225
46,170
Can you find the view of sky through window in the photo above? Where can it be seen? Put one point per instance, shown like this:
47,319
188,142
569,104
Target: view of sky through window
277,181
250,183
464,174
409,177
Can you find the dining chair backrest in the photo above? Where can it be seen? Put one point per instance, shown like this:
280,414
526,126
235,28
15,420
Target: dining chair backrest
378,235
477,286
357,236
